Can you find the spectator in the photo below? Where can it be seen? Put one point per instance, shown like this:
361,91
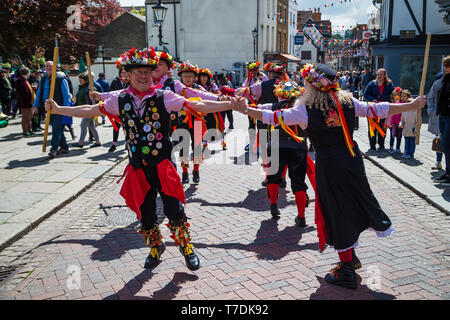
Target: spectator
82,98
365,79
61,95
443,103
433,119
346,81
34,80
5,89
118,82
394,123
339,77
408,125
355,83
379,90
102,82
25,99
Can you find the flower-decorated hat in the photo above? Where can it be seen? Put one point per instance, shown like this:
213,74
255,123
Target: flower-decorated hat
253,66
206,72
320,76
288,90
187,67
166,57
136,58
273,67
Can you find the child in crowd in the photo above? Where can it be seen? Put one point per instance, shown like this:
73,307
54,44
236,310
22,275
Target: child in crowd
394,122
408,124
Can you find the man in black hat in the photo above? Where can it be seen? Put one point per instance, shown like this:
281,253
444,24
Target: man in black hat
144,112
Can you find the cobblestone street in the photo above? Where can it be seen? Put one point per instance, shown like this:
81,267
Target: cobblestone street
244,253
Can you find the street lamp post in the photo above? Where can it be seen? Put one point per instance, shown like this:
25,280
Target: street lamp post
159,13
255,35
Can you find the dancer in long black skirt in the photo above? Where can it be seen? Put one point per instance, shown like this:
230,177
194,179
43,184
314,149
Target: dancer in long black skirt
348,204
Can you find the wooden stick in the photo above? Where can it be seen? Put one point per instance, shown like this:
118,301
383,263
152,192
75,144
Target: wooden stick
91,81
52,92
422,86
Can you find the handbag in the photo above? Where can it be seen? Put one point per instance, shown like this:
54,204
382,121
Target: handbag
436,146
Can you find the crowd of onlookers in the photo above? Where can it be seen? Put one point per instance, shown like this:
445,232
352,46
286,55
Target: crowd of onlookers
379,88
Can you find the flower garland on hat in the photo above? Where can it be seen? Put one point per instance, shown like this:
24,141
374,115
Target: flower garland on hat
320,81
273,67
205,71
133,57
253,66
317,79
187,67
166,57
288,90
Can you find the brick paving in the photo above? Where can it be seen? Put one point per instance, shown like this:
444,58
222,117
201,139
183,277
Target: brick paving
244,254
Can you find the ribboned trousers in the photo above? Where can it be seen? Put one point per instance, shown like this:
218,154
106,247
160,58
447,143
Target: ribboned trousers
173,209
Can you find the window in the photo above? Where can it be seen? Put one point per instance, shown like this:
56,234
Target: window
267,39
306,55
409,76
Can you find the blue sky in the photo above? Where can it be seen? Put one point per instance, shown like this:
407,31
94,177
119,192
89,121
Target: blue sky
340,14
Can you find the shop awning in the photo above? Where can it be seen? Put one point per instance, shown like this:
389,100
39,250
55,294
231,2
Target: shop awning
289,57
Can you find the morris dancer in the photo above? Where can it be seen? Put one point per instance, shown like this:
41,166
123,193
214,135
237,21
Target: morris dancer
213,120
261,93
292,154
343,192
144,113
188,74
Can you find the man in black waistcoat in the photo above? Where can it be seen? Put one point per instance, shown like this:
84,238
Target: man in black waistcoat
144,112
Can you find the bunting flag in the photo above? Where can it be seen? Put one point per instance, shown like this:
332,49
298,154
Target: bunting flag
82,68
330,5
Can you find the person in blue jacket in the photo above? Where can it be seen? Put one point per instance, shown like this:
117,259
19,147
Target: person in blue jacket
379,90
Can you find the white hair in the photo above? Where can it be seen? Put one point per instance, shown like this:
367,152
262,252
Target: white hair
323,100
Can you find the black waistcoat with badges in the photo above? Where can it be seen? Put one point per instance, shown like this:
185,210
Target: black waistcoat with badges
285,140
325,131
147,137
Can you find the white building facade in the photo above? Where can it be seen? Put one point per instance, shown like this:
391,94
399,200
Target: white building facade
216,34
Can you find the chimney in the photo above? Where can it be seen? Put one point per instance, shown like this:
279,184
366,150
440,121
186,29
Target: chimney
317,15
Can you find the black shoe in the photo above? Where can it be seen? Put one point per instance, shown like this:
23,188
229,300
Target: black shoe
231,127
154,257
112,149
301,222
192,260
343,275
274,211
77,145
195,176
442,178
283,184
63,151
355,261
52,154
264,183
96,145
185,178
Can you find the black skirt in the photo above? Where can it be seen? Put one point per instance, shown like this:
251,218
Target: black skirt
349,204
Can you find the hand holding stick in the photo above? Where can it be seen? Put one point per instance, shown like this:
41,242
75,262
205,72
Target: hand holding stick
52,92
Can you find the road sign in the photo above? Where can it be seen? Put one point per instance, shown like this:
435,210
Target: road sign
298,40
